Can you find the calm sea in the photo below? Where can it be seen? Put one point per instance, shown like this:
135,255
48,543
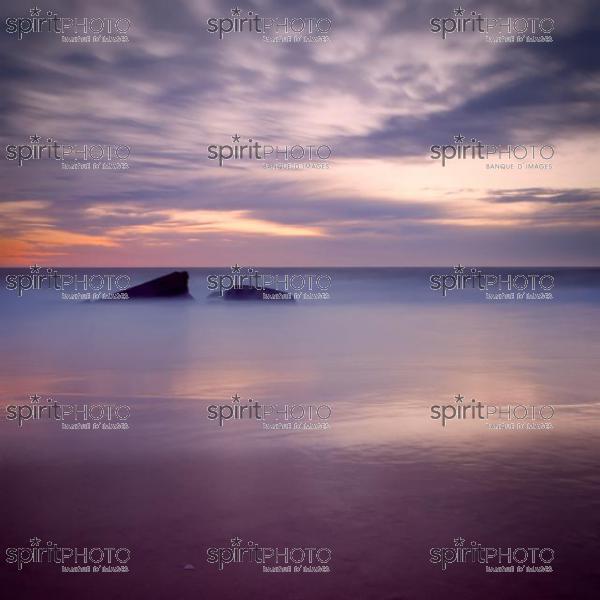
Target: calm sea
380,487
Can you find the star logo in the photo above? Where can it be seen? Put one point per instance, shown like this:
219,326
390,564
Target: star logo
459,268
235,542
35,12
236,398
34,268
235,138
459,541
34,139
459,139
236,268
35,541
459,12
35,399
459,398
235,12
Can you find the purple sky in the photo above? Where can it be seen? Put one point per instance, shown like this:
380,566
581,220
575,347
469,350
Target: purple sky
379,93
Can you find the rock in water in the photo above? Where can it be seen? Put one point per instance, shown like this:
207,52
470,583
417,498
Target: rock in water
173,285
252,293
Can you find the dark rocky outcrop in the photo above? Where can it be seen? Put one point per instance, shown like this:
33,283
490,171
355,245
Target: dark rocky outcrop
173,285
251,293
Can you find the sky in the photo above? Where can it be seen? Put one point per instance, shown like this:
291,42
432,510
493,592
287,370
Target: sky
379,92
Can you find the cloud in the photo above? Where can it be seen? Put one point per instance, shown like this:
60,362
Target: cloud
380,92
189,222
550,196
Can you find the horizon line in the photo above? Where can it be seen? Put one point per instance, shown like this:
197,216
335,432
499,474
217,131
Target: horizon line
526,266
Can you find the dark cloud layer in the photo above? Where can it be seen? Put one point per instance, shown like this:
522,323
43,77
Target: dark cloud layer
380,93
